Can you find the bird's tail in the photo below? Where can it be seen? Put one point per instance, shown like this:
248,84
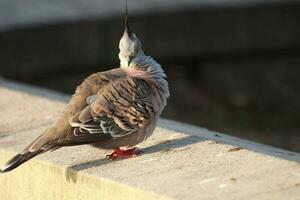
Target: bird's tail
18,160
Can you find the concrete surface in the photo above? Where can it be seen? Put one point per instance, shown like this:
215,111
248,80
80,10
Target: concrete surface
179,161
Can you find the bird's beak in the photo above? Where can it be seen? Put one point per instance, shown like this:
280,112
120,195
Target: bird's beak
129,60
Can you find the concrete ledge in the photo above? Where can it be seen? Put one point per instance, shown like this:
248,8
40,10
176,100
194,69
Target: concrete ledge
180,161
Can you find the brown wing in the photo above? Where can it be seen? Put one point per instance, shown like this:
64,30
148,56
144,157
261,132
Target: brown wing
61,127
119,109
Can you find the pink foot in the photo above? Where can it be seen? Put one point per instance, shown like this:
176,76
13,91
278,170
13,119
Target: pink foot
120,153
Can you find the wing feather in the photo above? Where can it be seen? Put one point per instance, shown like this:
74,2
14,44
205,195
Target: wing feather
119,109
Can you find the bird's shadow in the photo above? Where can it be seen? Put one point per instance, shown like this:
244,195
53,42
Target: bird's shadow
2,134
166,145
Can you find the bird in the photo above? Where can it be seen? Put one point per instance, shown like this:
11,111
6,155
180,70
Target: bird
113,110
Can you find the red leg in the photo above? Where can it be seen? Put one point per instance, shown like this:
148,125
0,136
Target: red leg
120,153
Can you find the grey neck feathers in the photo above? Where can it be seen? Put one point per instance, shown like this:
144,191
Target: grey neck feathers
148,64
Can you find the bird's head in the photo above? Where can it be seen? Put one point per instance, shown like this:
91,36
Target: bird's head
130,46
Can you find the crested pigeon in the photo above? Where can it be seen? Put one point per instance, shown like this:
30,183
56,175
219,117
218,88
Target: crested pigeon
113,109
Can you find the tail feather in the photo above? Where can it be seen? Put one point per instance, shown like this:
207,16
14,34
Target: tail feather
18,160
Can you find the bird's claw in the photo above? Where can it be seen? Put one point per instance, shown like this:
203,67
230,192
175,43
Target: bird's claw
120,153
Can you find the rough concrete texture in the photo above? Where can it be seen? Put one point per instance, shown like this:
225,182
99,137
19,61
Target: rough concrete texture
179,161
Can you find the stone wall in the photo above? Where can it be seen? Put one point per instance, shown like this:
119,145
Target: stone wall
179,161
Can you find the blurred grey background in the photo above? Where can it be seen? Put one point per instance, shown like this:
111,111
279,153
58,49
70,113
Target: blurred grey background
233,65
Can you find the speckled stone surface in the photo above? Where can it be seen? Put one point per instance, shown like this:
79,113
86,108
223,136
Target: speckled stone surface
179,161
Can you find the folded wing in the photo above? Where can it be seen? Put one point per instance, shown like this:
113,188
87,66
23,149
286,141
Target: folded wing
119,109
